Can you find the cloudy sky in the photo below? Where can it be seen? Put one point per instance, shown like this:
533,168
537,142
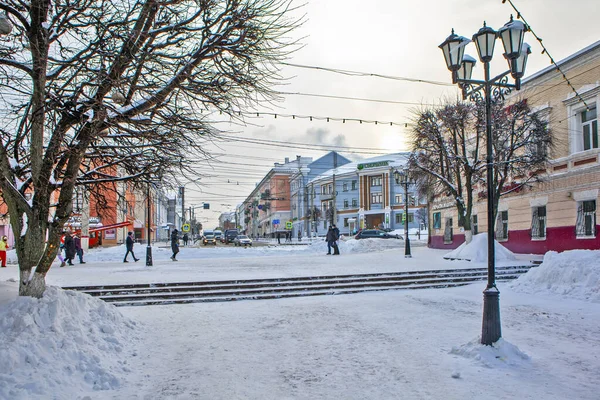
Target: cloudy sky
395,38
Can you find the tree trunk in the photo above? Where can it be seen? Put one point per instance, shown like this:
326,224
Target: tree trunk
468,236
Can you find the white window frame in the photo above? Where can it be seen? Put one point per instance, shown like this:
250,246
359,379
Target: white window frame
591,125
591,95
376,198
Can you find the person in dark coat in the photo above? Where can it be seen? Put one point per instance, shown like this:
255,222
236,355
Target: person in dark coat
70,249
129,245
78,249
174,244
278,238
336,235
185,239
330,239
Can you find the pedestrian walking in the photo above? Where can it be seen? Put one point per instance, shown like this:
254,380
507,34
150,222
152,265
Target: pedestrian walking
129,245
174,244
330,239
3,247
185,239
336,235
299,235
278,238
78,249
70,249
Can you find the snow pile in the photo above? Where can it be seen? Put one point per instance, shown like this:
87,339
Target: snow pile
574,274
476,251
358,245
66,343
500,354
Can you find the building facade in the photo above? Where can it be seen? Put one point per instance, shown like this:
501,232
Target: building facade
561,212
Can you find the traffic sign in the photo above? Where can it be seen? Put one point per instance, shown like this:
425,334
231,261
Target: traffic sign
289,225
185,227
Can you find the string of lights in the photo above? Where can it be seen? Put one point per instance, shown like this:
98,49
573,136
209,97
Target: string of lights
545,51
367,74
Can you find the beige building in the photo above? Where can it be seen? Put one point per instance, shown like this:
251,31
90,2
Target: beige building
560,213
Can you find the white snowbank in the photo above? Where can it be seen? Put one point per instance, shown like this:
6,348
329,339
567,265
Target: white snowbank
66,343
500,354
476,251
574,274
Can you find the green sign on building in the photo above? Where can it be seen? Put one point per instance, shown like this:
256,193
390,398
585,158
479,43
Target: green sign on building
373,165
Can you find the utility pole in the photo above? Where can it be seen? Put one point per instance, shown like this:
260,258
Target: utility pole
334,212
85,220
312,209
148,228
182,195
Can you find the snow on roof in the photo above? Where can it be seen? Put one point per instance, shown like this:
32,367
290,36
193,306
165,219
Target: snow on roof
395,160
562,62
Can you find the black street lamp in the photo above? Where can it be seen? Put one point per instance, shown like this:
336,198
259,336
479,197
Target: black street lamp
148,219
461,66
403,179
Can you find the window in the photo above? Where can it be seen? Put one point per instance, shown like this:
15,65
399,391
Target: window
375,181
538,223
330,188
323,190
589,127
399,199
345,187
437,220
345,222
448,234
586,219
375,198
502,225
474,225
400,218
353,185
354,203
345,203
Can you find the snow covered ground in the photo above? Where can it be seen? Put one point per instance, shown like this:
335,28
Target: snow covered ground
383,345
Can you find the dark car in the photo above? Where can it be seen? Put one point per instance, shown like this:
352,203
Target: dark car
375,234
230,234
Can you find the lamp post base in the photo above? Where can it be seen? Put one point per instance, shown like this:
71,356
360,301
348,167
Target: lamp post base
149,256
407,248
491,329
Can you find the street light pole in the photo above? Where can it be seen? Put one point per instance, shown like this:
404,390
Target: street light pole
402,178
461,66
406,238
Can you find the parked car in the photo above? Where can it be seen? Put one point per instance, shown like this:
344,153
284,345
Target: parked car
209,238
375,234
230,234
242,240
219,235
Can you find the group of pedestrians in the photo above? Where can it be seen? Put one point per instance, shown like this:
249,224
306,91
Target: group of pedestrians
72,247
333,235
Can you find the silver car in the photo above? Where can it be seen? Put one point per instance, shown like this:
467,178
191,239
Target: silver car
242,240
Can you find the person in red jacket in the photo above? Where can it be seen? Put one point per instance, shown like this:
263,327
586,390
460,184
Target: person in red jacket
3,247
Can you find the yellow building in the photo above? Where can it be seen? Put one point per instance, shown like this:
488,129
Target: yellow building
560,213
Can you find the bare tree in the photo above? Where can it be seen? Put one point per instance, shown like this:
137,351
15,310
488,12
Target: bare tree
449,152
98,91
446,155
